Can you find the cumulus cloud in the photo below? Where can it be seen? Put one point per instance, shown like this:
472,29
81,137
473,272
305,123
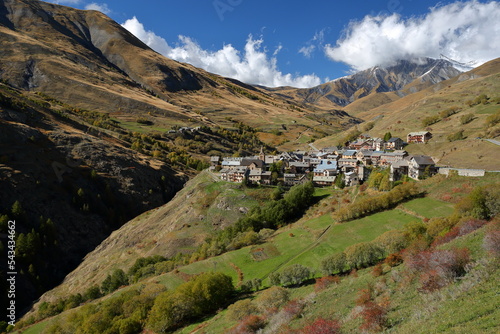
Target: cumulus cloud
102,7
252,65
463,31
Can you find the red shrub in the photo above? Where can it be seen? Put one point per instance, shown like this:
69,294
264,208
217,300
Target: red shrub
324,282
471,225
446,197
248,325
461,229
293,308
377,270
364,296
374,317
393,259
437,268
322,326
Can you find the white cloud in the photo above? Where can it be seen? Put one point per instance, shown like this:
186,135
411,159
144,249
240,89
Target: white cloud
307,51
252,65
464,31
316,42
102,7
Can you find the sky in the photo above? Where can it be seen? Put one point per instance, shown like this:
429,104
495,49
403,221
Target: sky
303,44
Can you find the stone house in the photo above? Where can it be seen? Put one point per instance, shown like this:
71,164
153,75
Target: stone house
418,137
394,143
351,179
420,166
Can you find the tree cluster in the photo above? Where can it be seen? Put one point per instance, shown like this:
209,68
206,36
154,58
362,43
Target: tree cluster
202,295
368,205
293,275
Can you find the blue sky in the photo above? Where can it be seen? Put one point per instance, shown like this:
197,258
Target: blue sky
301,43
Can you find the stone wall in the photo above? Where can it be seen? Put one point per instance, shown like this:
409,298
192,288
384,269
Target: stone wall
462,171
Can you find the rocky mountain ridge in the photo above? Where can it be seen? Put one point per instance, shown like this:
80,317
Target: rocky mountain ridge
394,78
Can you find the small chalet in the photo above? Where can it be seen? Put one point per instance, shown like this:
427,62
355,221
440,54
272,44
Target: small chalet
394,143
347,163
376,156
349,154
298,167
388,158
324,173
358,144
398,169
214,160
418,137
293,179
351,179
253,163
365,156
234,174
258,176
378,144
420,166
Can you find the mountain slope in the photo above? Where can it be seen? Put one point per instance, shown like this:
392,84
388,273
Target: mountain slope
85,59
203,206
67,187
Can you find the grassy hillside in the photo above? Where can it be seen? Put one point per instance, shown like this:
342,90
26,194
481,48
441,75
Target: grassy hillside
317,236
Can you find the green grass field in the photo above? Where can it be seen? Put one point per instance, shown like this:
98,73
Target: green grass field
429,207
299,243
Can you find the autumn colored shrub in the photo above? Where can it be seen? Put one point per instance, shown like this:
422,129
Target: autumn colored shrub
377,270
293,308
248,325
203,294
321,326
437,268
374,317
393,260
481,203
461,229
437,226
324,282
392,241
293,275
364,295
